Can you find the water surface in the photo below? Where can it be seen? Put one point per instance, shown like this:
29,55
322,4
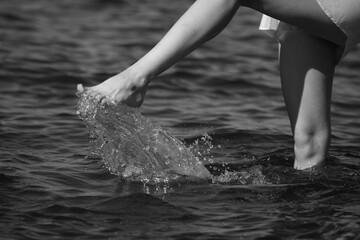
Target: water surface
228,90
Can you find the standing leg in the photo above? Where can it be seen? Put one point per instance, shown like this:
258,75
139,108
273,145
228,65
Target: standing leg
307,66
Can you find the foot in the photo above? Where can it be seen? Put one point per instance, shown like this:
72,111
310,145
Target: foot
124,87
308,165
309,155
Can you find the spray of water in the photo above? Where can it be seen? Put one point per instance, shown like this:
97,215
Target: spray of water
132,147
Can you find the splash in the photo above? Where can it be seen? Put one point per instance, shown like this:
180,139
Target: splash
132,147
223,172
202,149
248,176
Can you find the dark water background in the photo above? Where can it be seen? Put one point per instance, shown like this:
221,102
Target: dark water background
229,89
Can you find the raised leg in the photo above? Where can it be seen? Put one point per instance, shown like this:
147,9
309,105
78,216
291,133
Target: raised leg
201,22
307,66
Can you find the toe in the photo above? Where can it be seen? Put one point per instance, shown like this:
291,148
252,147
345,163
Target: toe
95,97
98,98
82,91
88,95
107,100
80,88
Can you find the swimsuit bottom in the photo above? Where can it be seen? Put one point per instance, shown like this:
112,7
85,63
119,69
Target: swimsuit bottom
344,13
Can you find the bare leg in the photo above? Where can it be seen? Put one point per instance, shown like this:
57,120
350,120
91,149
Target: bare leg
307,63
307,66
201,22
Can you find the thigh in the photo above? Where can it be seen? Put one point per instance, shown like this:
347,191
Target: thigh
305,14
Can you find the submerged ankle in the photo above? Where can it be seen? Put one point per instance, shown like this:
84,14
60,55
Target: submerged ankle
308,163
308,157
310,149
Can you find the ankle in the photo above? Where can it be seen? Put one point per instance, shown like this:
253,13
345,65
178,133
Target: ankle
138,76
310,149
307,157
308,163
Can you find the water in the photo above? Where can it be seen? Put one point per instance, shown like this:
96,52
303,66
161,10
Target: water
134,148
229,90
